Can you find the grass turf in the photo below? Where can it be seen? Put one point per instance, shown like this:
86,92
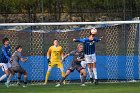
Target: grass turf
75,88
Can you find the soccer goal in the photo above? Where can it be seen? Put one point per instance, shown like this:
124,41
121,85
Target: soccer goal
117,53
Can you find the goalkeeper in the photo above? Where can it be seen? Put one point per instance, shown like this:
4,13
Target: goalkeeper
54,57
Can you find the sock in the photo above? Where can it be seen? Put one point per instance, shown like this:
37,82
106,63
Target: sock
9,78
83,79
3,77
90,72
25,80
19,79
95,73
47,76
63,74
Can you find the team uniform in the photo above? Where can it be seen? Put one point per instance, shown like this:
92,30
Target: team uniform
76,64
89,49
54,53
55,57
90,56
16,67
5,57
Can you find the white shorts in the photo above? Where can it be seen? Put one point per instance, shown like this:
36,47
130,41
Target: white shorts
83,64
5,66
90,58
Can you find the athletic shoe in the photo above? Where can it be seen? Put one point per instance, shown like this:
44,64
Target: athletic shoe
25,85
91,80
82,85
58,85
96,82
7,84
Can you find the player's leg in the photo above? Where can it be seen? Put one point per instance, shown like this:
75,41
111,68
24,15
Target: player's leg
94,68
63,78
60,66
89,64
48,72
83,64
95,73
83,72
25,78
5,69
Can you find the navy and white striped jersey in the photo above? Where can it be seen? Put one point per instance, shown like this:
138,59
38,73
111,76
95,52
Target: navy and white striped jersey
89,45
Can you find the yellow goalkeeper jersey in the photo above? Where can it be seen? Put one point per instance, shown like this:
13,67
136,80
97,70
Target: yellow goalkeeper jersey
55,53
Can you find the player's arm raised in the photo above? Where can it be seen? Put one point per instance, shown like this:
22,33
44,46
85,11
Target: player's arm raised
79,40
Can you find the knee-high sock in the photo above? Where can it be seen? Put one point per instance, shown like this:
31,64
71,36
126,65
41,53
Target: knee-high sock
90,72
3,77
62,72
9,78
48,74
95,73
83,79
25,79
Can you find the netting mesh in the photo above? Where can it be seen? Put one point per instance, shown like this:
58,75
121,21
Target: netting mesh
117,53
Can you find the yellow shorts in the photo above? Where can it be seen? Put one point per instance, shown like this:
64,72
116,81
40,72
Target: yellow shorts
58,64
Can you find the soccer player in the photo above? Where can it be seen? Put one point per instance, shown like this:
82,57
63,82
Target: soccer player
89,51
5,58
54,57
78,56
16,67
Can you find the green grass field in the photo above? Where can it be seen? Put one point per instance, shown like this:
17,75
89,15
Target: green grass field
75,88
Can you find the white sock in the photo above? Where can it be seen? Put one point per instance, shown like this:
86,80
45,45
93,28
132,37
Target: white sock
3,77
90,73
81,77
9,78
95,73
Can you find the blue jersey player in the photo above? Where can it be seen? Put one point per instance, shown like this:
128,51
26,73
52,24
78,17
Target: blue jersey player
89,51
5,58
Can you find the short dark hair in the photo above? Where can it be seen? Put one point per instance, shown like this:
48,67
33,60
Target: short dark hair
4,40
55,39
18,46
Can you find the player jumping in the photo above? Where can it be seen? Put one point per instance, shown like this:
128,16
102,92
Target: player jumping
76,64
16,67
89,51
54,57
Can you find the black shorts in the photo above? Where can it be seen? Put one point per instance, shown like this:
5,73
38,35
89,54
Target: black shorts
78,67
18,69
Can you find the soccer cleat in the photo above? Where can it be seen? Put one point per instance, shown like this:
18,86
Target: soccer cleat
64,82
96,82
18,83
82,85
7,84
24,86
58,85
44,83
91,80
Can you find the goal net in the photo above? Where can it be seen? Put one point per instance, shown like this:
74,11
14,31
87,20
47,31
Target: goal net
117,53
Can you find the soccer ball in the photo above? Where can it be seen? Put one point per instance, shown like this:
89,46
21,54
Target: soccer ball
93,31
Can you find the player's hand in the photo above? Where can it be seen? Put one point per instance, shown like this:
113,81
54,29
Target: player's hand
48,60
101,38
11,60
78,59
74,39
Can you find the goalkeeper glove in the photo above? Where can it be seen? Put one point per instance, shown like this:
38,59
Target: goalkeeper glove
48,59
